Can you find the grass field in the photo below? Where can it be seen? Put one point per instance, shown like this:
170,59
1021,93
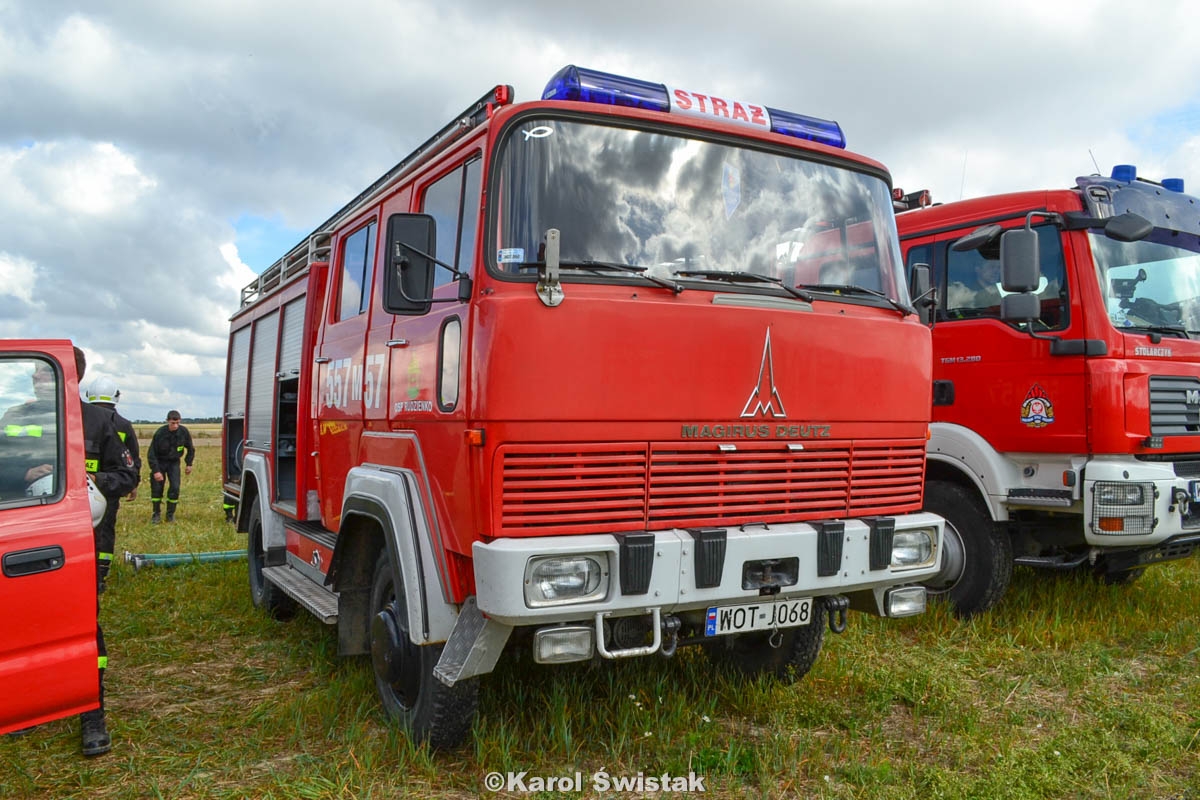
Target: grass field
1068,689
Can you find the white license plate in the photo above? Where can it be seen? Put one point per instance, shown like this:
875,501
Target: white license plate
1194,486
764,616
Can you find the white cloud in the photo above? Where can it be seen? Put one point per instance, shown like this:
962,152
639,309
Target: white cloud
18,278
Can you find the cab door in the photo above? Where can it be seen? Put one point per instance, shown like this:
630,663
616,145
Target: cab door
47,557
991,376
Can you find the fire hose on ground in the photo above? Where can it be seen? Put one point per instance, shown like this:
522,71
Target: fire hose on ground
139,560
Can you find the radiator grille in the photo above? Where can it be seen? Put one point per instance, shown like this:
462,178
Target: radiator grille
638,486
1174,406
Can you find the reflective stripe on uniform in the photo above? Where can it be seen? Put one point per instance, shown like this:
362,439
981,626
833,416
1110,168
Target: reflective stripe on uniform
228,506
104,556
92,465
102,662
121,434
171,502
23,430
181,448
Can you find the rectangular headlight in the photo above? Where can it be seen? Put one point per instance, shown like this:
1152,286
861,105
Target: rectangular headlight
1120,494
913,548
565,580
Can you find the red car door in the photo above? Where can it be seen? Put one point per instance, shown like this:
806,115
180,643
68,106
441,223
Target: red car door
47,559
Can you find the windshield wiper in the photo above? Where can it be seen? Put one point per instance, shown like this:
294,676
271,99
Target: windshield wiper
740,276
1176,329
615,266
855,289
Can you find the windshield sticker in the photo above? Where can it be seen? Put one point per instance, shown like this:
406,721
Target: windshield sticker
1037,411
510,255
731,187
540,132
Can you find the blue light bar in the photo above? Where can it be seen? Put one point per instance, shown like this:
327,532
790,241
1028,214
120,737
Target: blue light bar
825,131
1126,173
1173,184
593,86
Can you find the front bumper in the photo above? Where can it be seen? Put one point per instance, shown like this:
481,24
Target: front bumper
673,584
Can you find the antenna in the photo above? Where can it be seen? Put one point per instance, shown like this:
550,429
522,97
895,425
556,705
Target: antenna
1097,166
963,182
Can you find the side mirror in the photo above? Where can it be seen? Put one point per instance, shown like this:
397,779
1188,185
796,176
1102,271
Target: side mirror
1019,268
977,238
1128,227
1020,307
922,296
409,269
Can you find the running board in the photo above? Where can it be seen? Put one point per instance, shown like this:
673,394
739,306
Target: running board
317,599
1052,562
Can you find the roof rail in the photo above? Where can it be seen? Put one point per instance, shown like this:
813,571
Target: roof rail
300,256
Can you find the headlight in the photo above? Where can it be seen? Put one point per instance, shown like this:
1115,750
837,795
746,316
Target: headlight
1120,494
913,548
563,580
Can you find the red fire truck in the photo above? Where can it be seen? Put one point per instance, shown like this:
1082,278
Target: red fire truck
47,557
1066,399
551,382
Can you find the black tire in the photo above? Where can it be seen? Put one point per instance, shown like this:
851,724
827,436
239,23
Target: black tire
427,709
985,551
748,655
265,594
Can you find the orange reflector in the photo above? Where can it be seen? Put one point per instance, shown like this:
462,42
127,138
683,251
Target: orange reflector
475,437
928,433
1112,524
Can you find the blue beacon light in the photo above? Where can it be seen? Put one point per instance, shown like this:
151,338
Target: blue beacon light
1126,173
1173,184
594,86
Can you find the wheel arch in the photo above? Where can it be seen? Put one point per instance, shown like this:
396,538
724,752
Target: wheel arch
960,455
381,508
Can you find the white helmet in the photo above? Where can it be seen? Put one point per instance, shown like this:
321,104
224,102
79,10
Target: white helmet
99,504
103,390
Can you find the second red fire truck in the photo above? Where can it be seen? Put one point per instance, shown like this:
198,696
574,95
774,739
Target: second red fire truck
618,371
1066,399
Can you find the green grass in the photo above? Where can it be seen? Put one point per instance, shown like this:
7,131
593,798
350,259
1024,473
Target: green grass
1068,689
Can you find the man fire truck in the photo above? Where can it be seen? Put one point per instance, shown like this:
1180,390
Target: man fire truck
1066,400
551,380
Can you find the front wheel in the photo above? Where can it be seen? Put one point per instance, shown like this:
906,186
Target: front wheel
263,593
427,709
750,654
978,559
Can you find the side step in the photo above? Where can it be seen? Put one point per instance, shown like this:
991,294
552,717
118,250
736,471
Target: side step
317,599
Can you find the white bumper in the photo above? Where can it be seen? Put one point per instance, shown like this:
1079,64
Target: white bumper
1164,515
500,570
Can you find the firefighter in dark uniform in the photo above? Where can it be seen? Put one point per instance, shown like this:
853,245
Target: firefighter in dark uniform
111,468
103,393
170,443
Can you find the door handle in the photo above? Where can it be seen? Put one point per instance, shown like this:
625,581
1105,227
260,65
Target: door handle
397,342
30,562
322,359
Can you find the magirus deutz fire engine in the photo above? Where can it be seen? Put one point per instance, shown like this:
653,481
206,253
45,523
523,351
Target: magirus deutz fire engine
622,370
1066,400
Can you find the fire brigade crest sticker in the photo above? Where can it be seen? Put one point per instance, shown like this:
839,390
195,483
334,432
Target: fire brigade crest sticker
1036,410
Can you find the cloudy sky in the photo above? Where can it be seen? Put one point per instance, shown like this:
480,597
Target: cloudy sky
155,155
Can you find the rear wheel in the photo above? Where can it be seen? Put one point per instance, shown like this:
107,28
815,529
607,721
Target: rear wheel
751,654
265,594
978,561
427,709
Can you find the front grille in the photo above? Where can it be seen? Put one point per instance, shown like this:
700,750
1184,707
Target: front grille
1174,405
654,486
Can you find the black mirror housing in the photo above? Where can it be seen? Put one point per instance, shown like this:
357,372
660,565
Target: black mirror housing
977,238
1128,227
408,276
922,297
1020,307
1019,267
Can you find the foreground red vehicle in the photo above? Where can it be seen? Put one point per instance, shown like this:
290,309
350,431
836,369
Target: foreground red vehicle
1066,371
47,556
551,382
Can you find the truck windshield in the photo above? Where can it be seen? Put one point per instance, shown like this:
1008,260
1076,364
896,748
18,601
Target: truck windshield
681,208
1152,284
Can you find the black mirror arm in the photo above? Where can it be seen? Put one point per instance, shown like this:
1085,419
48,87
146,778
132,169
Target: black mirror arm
457,272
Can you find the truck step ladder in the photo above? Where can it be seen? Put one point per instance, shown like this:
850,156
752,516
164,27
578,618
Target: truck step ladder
317,599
